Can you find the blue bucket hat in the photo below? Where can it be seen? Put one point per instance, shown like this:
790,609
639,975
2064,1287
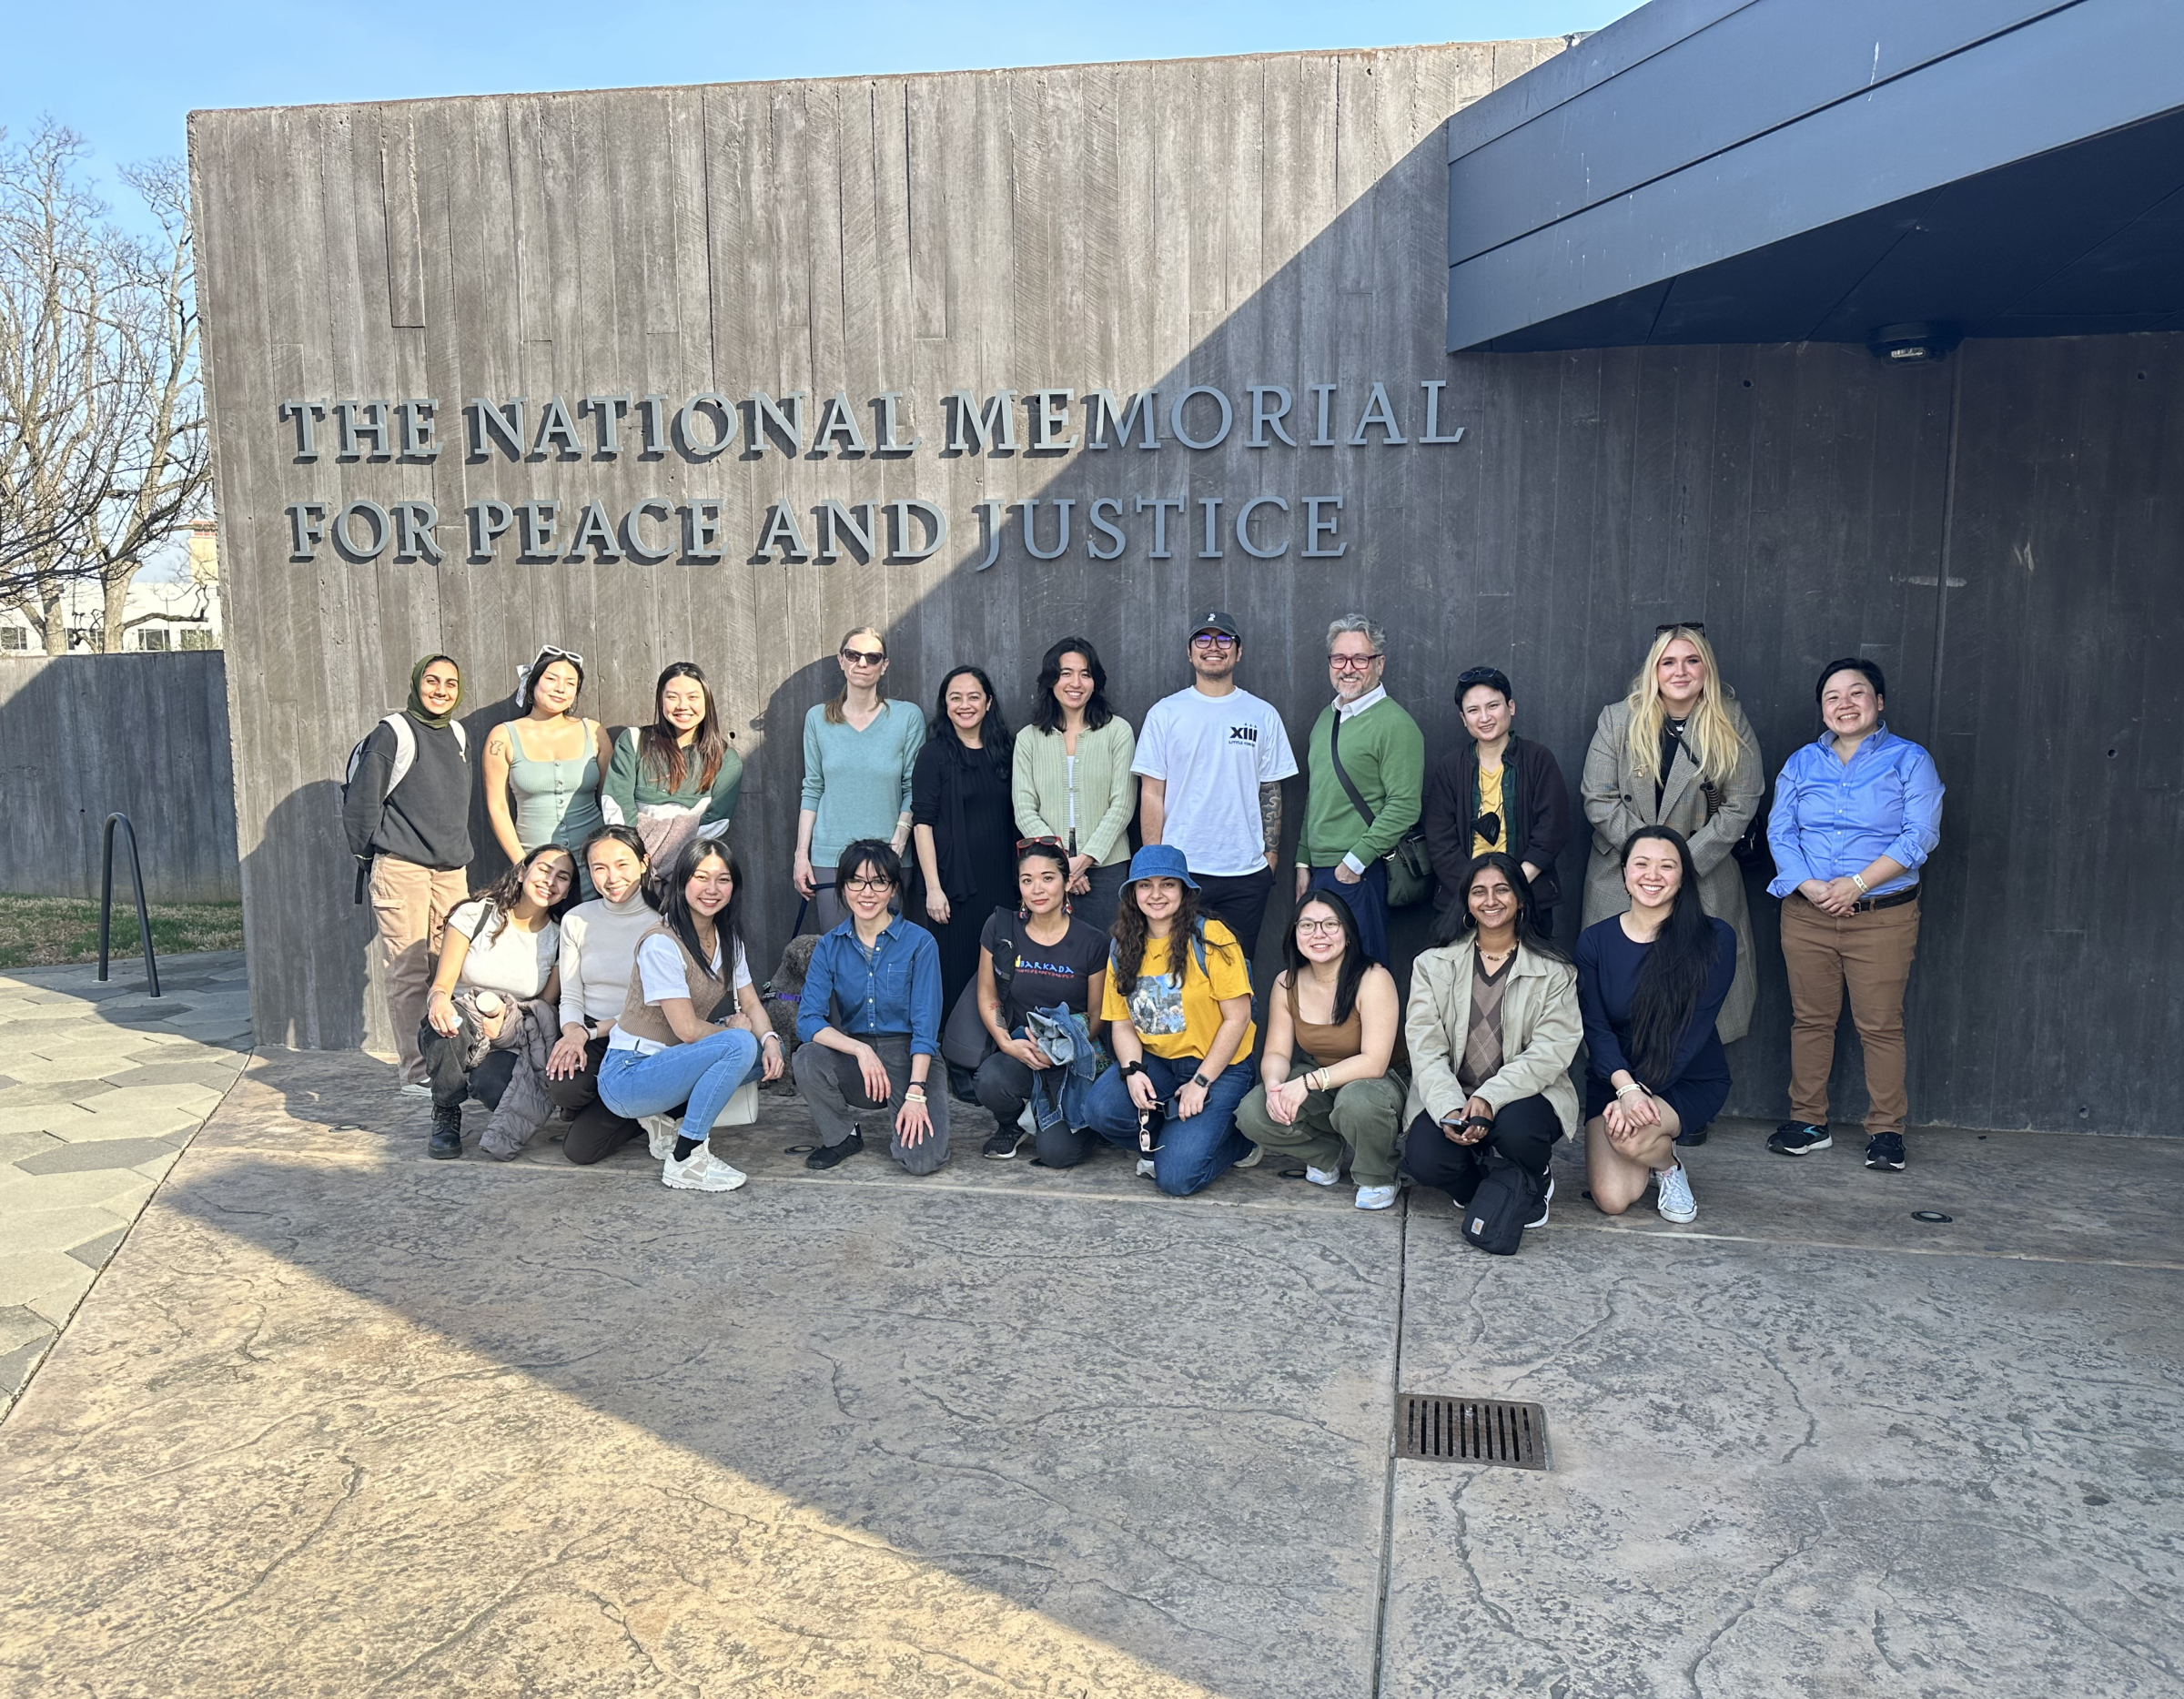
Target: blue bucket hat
1160,861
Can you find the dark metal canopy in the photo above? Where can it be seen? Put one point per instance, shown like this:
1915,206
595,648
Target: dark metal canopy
1801,170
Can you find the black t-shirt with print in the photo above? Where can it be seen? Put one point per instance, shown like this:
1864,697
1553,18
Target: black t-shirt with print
1046,973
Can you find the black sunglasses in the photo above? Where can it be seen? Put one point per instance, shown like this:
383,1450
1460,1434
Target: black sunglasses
863,657
1693,626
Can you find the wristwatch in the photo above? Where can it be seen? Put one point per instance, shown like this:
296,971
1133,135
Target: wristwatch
1201,1082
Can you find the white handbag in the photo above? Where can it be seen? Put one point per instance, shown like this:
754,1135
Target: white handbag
742,1107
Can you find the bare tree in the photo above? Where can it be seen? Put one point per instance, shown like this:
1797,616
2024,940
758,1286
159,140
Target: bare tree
103,452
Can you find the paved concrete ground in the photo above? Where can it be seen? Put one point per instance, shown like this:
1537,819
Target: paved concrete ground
100,1087
338,1419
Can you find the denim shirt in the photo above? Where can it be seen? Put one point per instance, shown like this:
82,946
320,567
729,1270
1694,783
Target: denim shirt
894,989
1833,818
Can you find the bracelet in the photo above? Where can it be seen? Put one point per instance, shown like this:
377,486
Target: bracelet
1858,881
1624,1091
764,1036
1132,1068
914,1093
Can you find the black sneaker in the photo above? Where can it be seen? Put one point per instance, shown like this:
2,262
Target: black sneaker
446,1143
828,1156
1004,1144
1694,1135
1798,1138
1886,1150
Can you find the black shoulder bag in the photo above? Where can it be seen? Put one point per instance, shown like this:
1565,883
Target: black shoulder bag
1409,868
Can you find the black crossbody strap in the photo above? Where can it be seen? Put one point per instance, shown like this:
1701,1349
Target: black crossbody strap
1349,789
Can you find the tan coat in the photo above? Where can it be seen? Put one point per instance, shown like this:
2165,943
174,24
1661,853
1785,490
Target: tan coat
1540,1030
1619,799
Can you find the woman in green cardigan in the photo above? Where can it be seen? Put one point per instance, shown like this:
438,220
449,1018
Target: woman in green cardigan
679,777
1072,780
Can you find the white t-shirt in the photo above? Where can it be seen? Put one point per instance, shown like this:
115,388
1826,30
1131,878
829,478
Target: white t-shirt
660,971
1214,752
514,963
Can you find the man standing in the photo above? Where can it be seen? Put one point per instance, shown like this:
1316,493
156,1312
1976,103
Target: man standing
1210,762
1369,739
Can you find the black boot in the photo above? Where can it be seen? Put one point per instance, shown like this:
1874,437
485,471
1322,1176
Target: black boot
446,1143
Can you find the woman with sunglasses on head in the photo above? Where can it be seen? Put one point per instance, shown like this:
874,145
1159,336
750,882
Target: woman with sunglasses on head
667,1047
550,761
963,825
1040,957
1497,792
499,960
599,958
1494,1026
1177,1003
678,777
860,750
1073,780
1651,982
1678,752
1331,1083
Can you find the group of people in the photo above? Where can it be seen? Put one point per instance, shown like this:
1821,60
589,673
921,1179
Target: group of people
986,933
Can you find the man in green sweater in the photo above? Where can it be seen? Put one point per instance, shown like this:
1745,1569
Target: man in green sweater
1384,754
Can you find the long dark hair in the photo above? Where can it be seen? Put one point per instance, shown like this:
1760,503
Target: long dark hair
660,756
1457,922
675,910
504,893
1046,712
1130,932
995,739
1676,966
1351,974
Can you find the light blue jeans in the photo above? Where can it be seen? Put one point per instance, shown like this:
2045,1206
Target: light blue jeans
705,1073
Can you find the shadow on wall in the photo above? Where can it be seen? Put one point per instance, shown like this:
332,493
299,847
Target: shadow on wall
343,937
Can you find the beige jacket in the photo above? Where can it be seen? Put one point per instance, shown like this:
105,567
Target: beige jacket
1619,799
1540,1030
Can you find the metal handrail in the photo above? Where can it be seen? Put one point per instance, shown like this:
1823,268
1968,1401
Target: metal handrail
106,901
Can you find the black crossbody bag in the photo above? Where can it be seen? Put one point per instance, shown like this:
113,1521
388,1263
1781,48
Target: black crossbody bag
1409,868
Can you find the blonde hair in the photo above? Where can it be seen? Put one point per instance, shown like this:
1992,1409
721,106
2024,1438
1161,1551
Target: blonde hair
1709,733
839,699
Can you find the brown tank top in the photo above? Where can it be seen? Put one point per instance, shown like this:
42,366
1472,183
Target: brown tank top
1327,1045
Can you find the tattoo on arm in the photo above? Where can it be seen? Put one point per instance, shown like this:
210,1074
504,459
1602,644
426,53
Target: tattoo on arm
1270,815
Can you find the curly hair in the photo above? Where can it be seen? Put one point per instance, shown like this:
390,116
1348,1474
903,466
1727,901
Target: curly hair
1130,932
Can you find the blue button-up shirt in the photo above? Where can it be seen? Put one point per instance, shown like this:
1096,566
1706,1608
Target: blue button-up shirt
893,988
1833,818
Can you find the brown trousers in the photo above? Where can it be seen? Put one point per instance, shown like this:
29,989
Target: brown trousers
1871,953
409,907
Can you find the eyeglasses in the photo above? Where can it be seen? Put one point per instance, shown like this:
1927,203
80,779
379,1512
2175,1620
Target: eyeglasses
863,657
1354,663
1692,626
870,884
1317,928
1212,640
551,654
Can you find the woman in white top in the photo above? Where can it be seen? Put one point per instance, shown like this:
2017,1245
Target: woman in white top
599,958
666,1049
500,954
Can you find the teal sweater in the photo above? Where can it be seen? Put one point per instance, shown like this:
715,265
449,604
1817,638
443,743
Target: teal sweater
858,783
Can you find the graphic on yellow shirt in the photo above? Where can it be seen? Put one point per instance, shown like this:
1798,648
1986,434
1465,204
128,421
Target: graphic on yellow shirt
1490,803
1178,1016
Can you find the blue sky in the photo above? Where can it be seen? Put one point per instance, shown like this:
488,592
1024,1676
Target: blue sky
124,74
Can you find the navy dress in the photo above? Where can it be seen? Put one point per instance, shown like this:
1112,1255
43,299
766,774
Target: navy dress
1608,965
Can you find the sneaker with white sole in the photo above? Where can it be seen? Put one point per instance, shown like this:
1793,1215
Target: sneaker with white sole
1251,1161
1675,1201
701,1170
1322,1176
661,1132
1541,1220
1144,1167
1375,1197
416,1089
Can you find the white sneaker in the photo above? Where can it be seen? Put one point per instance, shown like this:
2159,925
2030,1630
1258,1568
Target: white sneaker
1144,1167
1322,1177
699,1171
661,1131
1375,1196
1674,1201
1251,1161
416,1089
1549,1198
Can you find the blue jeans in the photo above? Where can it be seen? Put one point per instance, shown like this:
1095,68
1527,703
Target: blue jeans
706,1073
1192,1153
1368,901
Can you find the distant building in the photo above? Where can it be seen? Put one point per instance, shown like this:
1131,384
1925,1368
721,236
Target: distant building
173,614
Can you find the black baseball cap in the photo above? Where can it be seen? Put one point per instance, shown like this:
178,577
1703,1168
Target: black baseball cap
1220,624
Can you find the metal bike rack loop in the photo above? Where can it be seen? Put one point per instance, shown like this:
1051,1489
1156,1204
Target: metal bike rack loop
106,901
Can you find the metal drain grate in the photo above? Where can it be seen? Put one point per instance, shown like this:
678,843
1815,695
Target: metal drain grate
1470,1431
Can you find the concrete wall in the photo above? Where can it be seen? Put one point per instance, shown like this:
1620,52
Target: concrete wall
1999,531
84,735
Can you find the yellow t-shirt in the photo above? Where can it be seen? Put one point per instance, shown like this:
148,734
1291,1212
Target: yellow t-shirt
1174,1020
1490,803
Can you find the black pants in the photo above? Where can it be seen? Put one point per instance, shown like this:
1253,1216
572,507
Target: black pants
1524,1133
595,1131
1003,1087
1239,901
450,1083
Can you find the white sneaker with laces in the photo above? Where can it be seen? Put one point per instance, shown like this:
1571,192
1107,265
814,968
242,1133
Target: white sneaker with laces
699,1171
1375,1197
1549,1198
1675,1201
661,1131
416,1089
1322,1177
1144,1167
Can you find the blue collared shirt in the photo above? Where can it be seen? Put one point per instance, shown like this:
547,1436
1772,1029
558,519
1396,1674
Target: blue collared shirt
1833,818
893,988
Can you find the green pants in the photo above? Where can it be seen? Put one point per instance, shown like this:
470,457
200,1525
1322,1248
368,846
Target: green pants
1363,1119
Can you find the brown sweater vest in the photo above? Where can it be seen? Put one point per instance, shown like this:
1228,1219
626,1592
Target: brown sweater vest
643,1020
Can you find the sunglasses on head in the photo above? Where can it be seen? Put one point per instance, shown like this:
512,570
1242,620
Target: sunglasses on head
1045,842
1478,675
1694,627
863,657
551,654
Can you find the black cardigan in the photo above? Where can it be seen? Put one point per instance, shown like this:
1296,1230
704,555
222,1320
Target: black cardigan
1535,800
